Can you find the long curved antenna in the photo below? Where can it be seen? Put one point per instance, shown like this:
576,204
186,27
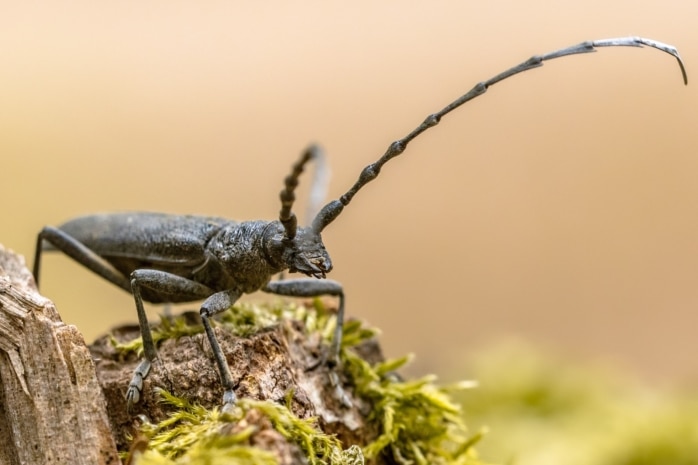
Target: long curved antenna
287,195
318,186
330,211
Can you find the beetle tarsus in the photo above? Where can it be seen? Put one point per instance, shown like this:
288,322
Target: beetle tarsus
339,391
229,398
135,387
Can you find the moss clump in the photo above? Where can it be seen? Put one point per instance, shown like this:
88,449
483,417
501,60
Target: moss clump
546,410
168,328
194,434
245,319
416,422
419,423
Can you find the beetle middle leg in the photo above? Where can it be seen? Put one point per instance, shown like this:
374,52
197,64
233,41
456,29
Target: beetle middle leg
313,288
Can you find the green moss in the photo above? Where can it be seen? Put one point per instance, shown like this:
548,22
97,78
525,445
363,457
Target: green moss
168,328
194,434
245,319
417,421
547,410
541,410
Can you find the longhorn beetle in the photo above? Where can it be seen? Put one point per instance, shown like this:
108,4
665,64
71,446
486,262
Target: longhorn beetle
163,258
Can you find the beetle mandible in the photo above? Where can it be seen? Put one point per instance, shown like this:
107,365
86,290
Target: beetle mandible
163,258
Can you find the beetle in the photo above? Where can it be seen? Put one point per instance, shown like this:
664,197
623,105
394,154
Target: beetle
164,258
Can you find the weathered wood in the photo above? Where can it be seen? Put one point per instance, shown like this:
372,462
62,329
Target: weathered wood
52,409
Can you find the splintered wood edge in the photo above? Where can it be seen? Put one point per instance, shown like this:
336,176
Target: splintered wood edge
51,405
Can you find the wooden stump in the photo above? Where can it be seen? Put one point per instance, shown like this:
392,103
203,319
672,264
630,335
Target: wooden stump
51,405
280,363
61,402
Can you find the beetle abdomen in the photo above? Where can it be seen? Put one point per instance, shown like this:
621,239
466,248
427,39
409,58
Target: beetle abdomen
154,237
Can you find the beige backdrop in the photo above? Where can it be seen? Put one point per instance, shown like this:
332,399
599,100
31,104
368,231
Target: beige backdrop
561,207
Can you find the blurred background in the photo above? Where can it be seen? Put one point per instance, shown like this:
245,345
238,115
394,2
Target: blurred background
559,208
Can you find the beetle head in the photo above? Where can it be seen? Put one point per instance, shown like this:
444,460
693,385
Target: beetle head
306,254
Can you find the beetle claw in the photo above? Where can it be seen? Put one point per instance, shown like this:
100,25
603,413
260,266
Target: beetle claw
135,387
340,393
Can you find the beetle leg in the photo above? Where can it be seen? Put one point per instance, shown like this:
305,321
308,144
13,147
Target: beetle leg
165,284
135,387
312,288
78,252
217,303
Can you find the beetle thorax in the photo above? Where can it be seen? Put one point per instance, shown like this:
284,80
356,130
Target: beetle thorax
240,250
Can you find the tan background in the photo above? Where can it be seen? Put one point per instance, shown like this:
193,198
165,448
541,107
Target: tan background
561,207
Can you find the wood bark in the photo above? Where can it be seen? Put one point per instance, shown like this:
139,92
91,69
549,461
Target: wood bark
52,409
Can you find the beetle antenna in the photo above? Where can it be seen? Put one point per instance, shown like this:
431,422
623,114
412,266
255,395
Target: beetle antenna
332,210
318,187
286,216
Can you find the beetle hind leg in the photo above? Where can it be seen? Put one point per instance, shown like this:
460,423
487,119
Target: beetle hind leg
80,253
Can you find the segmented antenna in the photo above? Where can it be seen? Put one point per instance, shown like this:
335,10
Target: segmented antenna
330,211
287,195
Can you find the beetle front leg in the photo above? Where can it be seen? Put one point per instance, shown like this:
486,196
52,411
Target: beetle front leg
311,288
217,303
